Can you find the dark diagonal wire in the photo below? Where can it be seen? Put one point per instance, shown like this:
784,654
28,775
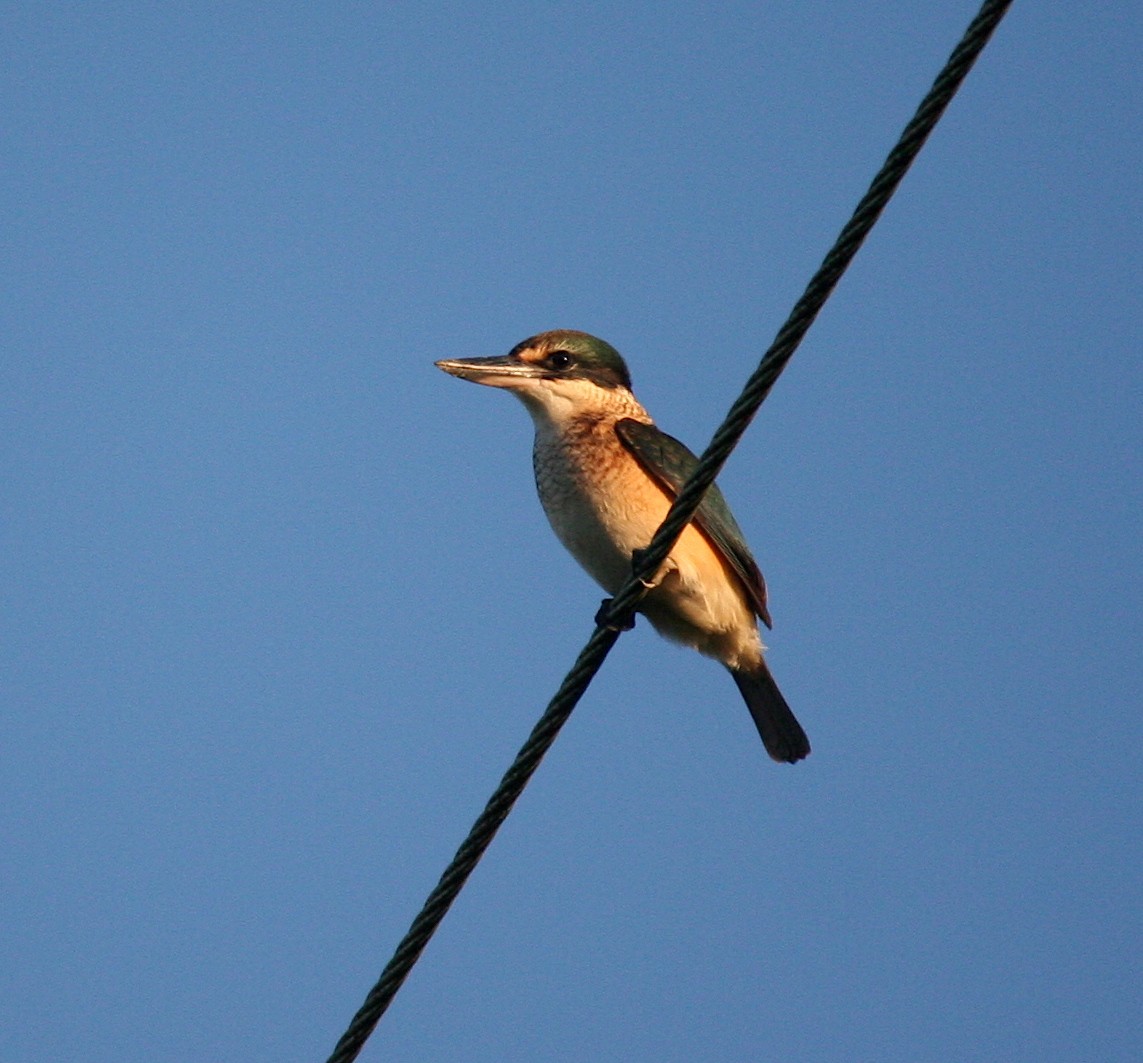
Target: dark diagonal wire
681,512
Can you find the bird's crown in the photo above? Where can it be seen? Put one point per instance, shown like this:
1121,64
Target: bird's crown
573,354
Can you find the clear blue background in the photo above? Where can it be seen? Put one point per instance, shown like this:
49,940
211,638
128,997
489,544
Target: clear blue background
279,604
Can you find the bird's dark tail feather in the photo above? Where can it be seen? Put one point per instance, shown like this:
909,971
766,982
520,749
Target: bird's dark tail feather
781,733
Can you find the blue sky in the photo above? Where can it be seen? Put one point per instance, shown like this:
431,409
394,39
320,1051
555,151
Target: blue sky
279,603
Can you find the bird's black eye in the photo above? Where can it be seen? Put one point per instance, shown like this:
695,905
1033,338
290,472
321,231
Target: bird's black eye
560,360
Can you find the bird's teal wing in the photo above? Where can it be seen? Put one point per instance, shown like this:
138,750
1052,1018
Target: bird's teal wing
670,463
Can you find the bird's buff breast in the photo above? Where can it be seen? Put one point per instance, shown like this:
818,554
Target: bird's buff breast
599,502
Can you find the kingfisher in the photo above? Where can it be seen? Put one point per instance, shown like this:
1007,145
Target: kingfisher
606,476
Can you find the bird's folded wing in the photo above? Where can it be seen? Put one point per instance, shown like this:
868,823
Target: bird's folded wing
670,463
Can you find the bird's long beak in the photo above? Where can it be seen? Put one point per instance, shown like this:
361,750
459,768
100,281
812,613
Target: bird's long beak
498,371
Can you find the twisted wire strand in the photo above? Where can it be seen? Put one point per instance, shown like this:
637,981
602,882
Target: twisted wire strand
821,285
623,605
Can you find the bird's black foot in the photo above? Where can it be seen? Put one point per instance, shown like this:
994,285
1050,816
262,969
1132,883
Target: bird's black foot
603,618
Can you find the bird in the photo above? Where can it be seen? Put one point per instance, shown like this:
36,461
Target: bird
606,476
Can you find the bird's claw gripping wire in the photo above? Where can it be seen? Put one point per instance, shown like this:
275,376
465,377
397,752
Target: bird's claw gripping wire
603,617
638,559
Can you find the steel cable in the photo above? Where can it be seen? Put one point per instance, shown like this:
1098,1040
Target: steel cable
623,605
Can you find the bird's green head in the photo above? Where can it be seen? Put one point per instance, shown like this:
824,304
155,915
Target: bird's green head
539,363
